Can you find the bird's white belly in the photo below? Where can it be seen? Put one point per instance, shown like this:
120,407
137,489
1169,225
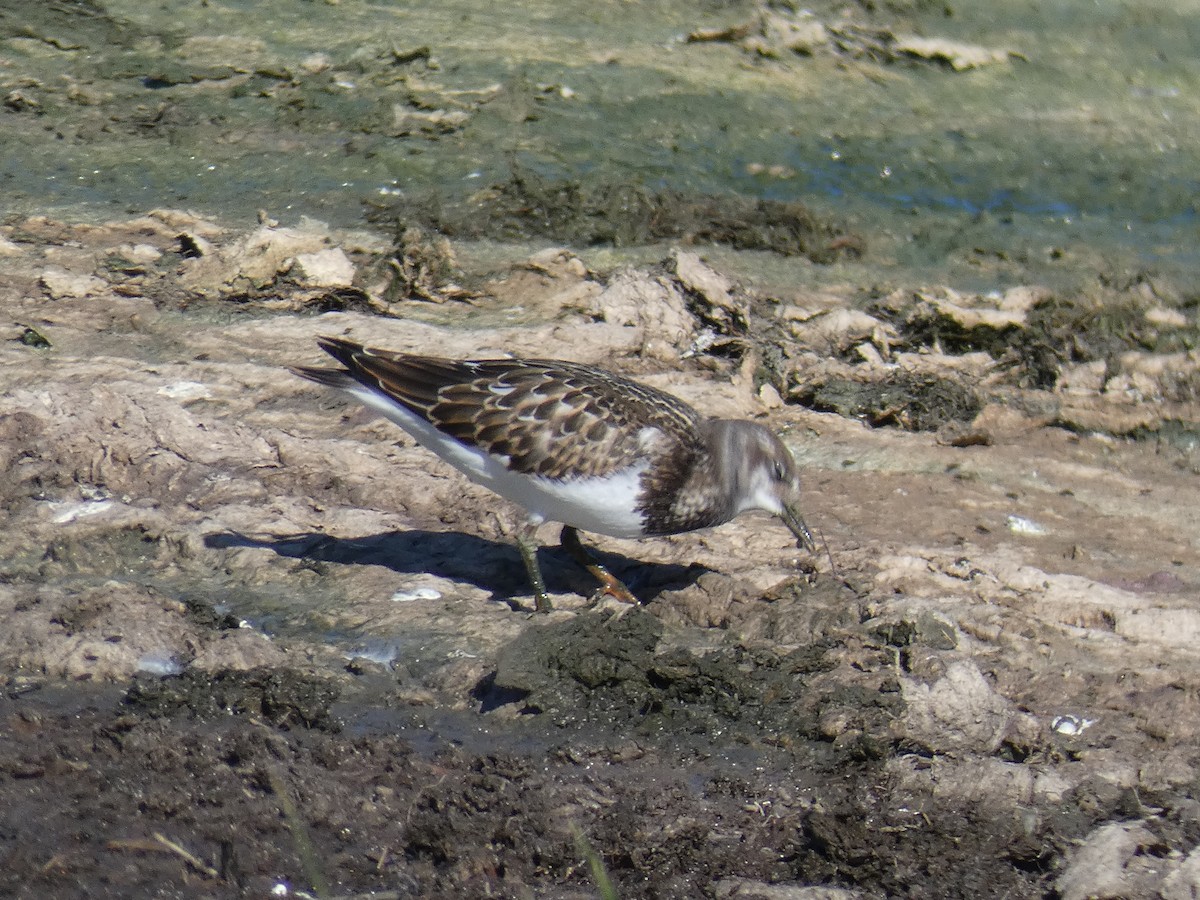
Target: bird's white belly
607,505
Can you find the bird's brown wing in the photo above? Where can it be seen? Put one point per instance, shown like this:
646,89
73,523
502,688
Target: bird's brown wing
545,417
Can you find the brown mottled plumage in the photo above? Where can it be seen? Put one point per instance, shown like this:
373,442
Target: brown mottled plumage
575,443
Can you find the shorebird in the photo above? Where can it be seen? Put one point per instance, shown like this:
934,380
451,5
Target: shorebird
575,444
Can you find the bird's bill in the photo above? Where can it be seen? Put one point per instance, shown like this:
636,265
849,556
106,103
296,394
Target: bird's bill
791,518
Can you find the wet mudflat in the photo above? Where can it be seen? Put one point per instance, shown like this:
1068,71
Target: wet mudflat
320,662
255,641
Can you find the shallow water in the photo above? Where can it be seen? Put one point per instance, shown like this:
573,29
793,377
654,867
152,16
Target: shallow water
1074,152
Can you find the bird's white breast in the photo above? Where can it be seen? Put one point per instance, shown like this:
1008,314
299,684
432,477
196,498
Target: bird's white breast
602,505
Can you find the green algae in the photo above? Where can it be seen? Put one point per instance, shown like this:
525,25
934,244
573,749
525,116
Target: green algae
1069,158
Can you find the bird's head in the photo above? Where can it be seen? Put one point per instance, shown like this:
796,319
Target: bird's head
763,474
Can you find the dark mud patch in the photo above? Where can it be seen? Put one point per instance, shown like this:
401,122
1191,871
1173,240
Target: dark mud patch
926,359
908,401
280,697
1182,437
65,24
624,214
108,801
597,669
1073,330
1037,343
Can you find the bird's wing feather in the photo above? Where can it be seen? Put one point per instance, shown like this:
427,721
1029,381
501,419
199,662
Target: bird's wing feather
545,417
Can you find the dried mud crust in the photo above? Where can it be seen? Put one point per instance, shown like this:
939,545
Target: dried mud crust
321,672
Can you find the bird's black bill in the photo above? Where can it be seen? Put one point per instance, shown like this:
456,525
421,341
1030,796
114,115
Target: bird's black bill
795,524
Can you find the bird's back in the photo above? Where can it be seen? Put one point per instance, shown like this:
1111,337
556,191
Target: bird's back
550,418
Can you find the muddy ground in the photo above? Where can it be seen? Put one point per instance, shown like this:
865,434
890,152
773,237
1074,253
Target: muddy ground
256,641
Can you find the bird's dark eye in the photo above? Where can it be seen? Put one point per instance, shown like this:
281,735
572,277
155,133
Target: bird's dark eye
780,471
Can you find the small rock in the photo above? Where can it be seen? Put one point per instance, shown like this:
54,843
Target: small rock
1025,526
19,101
406,120
956,54
958,713
316,63
558,262
996,313
1184,882
769,397
711,294
835,330
61,284
1170,318
143,254
1118,860
801,32
324,268
746,889
654,306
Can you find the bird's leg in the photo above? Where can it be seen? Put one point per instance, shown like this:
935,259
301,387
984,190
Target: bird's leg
527,544
609,583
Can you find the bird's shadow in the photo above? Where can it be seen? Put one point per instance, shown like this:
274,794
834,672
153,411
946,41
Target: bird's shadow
493,566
